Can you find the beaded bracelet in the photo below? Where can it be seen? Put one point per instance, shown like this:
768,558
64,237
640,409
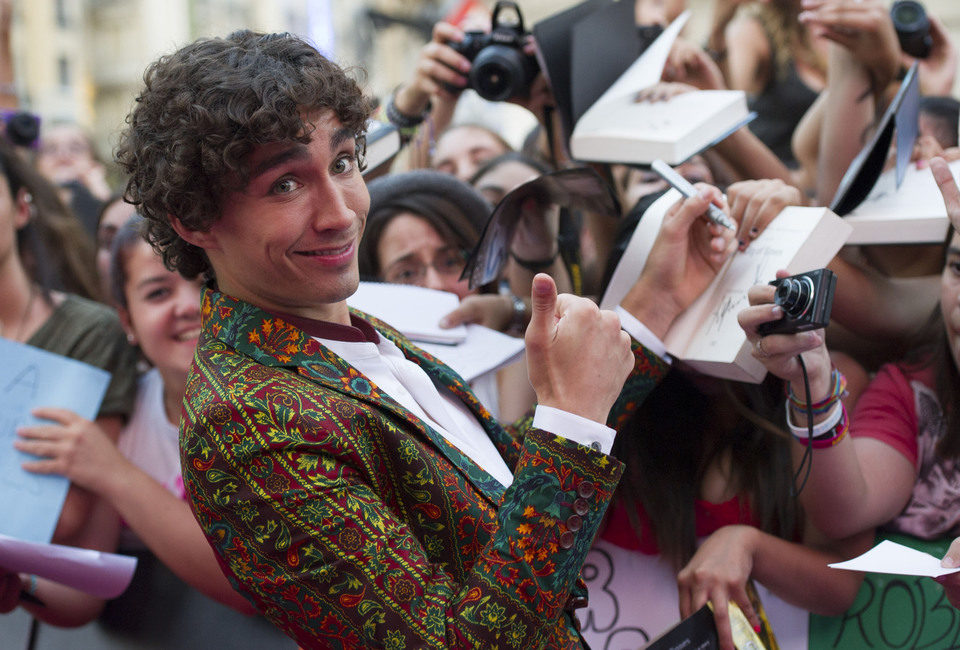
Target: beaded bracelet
825,434
401,120
819,408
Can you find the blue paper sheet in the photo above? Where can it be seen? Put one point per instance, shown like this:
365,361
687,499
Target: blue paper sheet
30,377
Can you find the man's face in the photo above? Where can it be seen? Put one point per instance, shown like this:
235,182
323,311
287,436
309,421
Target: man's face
288,241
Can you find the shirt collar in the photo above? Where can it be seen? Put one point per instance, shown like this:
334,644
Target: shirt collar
359,330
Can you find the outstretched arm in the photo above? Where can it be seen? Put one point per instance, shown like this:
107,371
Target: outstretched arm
734,555
77,449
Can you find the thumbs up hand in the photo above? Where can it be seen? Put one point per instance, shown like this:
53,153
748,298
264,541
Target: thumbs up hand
578,357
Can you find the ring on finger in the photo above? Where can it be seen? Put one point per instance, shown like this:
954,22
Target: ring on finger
761,353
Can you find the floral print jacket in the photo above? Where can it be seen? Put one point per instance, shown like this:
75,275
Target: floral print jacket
350,523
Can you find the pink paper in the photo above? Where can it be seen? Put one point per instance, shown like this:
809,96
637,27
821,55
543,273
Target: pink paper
105,575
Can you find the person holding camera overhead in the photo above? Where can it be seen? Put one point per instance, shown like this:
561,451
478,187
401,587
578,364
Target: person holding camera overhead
893,462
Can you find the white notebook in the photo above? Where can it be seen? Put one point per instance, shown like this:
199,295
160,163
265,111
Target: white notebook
619,129
707,335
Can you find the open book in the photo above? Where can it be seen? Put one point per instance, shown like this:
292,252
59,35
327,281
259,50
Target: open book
707,336
914,213
617,128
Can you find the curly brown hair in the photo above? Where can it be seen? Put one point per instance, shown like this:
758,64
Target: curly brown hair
201,113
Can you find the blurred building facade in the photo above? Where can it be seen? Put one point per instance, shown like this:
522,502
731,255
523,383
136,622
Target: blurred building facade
83,60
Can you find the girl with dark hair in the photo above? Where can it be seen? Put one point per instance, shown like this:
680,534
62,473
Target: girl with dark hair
55,250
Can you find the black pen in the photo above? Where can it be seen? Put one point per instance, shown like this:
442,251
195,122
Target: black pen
667,173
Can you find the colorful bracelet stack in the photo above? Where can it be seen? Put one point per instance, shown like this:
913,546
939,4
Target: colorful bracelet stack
832,429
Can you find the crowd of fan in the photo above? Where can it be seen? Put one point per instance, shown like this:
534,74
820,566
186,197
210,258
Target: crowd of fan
717,502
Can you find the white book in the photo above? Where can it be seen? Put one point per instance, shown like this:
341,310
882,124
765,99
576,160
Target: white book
484,350
383,143
707,336
617,128
471,350
914,213
414,311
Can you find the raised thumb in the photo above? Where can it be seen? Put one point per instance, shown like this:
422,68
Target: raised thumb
543,302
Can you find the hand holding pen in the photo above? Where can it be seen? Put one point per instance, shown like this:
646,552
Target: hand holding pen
752,204
682,185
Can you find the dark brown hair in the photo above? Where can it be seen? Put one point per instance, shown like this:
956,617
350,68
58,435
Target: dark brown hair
679,432
56,251
201,113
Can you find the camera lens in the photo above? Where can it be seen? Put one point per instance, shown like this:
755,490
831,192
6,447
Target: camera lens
906,13
795,296
913,28
498,73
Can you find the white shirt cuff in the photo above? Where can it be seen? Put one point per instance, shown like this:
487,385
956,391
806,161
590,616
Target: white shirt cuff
588,433
642,334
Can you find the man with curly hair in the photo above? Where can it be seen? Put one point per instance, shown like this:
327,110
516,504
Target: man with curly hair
351,485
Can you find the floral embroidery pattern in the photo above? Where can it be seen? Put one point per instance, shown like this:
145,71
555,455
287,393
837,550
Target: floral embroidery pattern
350,523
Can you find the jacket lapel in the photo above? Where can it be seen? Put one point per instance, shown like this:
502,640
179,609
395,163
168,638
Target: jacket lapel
272,341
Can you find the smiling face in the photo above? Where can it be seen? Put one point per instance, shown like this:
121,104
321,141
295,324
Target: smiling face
950,297
288,241
162,312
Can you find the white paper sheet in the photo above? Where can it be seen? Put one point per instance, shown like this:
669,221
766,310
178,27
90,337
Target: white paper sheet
890,557
483,351
31,377
415,311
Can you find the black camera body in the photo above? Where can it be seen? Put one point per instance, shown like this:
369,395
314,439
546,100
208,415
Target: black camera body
913,28
806,299
500,68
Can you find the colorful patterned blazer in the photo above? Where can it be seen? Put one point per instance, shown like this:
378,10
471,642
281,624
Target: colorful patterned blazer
350,523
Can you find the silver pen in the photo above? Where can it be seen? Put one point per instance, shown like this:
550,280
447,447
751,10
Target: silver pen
667,173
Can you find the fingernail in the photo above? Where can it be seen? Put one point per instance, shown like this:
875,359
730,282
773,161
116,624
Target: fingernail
948,562
804,16
743,244
757,628
444,322
754,231
777,311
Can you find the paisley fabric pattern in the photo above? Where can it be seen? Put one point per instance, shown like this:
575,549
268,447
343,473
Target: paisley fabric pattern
350,523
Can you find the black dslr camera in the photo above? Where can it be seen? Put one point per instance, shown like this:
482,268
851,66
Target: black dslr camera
806,300
500,68
913,28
